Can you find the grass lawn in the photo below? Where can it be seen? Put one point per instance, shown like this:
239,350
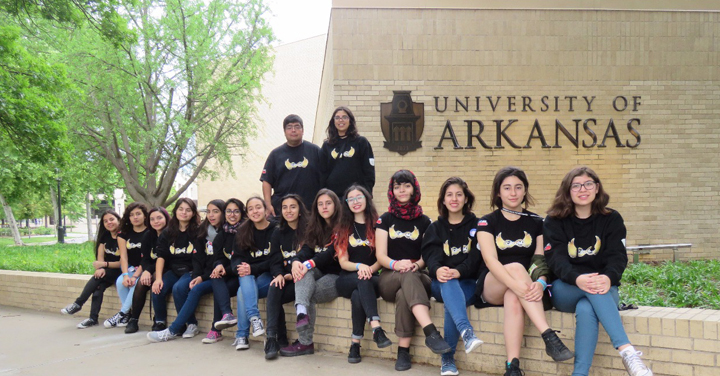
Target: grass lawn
26,240
56,258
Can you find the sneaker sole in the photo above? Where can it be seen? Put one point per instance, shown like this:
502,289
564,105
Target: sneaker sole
130,331
242,347
354,360
221,325
472,347
211,341
258,333
562,359
440,351
299,353
269,356
382,345
108,326
403,368
449,373
122,325
186,336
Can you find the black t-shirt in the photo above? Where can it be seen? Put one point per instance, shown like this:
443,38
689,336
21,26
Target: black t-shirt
404,237
348,162
178,255
323,257
283,250
515,241
112,252
294,170
452,245
259,255
148,251
133,243
359,249
594,245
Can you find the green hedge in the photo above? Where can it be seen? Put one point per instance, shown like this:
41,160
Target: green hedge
58,258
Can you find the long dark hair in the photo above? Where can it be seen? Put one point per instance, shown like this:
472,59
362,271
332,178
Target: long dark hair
563,205
173,227
203,231
164,213
505,172
467,208
302,219
318,231
126,226
332,132
244,238
102,230
344,227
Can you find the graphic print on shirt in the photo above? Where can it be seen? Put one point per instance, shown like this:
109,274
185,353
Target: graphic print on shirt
131,245
320,250
354,242
287,255
503,244
209,249
261,252
412,235
453,251
574,251
293,165
110,251
346,154
180,251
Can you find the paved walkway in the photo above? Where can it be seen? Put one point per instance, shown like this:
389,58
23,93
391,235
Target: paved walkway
41,343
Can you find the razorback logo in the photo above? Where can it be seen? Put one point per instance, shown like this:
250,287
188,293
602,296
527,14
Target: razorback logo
379,221
547,247
482,222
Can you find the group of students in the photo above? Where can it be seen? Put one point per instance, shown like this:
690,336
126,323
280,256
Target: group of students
572,260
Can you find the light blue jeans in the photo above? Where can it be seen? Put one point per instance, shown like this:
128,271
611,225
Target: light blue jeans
251,289
124,292
589,309
456,295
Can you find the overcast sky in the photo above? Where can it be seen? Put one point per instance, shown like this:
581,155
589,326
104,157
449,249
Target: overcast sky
294,20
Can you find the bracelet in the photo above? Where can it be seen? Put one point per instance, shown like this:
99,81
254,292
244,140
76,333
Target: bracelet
357,266
124,274
391,264
308,264
543,283
107,264
418,265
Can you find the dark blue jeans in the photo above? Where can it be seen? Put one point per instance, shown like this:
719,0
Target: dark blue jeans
159,301
589,309
191,298
457,295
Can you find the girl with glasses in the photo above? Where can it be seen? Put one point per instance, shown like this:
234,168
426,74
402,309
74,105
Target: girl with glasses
586,251
347,157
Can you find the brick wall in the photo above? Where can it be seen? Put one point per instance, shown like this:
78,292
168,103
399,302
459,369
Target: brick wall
681,342
666,189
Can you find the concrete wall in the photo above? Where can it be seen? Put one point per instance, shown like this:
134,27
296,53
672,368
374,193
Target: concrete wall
681,342
667,188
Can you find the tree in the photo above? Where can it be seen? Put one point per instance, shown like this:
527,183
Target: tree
182,94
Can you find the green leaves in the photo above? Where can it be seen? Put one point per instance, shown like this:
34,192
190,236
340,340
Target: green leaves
694,284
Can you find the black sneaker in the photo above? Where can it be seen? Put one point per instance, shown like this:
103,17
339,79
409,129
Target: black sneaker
71,309
271,348
403,362
86,323
555,347
437,344
380,338
158,326
513,369
354,355
282,340
132,326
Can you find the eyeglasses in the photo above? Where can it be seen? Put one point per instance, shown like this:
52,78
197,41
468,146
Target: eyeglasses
353,200
589,186
344,117
291,127
236,211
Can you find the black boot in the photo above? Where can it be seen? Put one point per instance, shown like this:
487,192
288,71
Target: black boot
555,347
132,326
271,348
354,355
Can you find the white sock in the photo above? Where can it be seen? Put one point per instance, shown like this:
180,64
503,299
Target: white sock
629,350
299,308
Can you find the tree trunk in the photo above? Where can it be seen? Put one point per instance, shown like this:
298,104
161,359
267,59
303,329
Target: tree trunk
53,199
11,218
88,215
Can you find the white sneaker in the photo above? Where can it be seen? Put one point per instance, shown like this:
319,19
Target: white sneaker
241,343
633,364
113,321
191,331
257,327
161,336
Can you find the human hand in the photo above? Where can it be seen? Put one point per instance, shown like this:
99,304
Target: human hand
278,281
583,282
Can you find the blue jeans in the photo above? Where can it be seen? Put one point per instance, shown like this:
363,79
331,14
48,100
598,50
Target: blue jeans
186,315
124,292
457,295
251,289
589,309
170,279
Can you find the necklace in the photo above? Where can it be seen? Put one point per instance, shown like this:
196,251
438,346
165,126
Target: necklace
521,213
356,231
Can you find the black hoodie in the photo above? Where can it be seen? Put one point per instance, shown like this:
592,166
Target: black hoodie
258,256
454,246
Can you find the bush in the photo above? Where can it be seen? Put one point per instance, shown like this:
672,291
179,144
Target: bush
57,258
43,231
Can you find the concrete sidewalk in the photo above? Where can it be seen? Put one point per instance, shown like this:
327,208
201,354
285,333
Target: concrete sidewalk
40,343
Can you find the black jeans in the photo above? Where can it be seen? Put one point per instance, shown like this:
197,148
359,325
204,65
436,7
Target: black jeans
363,295
224,289
275,311
96,287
